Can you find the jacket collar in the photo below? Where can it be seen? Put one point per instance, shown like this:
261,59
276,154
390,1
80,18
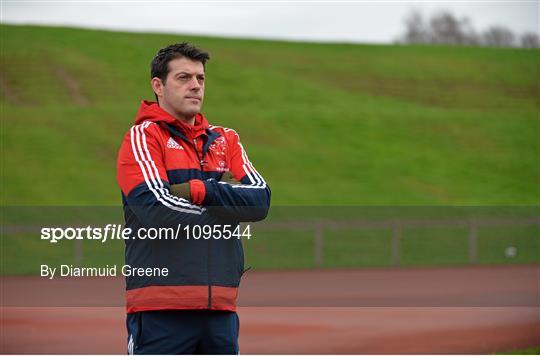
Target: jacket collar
151,111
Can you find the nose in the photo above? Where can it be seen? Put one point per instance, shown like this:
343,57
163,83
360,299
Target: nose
195,85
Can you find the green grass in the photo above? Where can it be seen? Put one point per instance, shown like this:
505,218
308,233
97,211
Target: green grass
355,248
528,351
326,124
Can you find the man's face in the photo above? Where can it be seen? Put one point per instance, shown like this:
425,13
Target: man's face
183,92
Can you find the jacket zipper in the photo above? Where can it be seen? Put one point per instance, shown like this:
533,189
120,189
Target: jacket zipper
201,164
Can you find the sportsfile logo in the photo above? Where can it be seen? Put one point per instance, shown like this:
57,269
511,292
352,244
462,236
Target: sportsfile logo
107,232
118,232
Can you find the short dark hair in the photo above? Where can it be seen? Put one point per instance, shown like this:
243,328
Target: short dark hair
160,63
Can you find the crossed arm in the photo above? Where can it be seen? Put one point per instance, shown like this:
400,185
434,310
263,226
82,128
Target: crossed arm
182,190
142,176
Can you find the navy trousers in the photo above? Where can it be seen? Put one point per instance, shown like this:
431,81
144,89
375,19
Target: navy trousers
183,332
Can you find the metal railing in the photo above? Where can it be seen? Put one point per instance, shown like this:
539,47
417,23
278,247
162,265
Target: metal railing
397,226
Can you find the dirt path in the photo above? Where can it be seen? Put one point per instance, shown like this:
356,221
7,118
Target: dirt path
446,310
72,85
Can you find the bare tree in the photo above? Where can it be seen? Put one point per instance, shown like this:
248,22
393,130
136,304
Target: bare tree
470,37
446,29
415,29
498,36
530,40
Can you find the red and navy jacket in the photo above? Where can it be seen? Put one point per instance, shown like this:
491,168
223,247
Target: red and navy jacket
159,151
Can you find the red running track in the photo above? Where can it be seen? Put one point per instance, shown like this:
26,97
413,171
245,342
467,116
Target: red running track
415,310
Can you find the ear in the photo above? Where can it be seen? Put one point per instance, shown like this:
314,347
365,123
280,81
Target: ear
157,86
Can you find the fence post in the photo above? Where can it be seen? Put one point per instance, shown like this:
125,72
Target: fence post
396,237
318,245
473,243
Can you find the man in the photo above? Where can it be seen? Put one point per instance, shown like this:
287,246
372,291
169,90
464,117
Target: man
174,169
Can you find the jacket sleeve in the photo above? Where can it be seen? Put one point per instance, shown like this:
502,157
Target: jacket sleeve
248,201
142,177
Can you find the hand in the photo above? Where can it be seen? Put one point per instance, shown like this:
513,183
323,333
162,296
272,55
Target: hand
181,190
227,177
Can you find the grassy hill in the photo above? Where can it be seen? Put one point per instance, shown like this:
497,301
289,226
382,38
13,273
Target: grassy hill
326,124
